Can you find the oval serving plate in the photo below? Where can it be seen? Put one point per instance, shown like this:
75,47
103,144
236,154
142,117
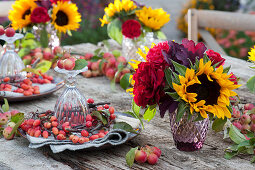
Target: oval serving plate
59,84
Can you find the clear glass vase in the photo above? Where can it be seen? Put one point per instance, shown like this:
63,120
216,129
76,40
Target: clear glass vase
188,135
11,63
71,106
52,34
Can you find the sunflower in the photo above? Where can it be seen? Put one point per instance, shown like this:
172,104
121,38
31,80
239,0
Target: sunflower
20,15
153,18
252,54
118,6
104,20
65,16
207,90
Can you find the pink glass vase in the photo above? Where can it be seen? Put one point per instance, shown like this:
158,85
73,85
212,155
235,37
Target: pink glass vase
188,135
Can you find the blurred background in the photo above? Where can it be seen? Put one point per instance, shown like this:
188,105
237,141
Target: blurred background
235,43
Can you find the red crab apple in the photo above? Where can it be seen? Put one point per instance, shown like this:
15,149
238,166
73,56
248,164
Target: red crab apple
87,74
7,131
3,119
140,156
95,66
245,119
67,55
108,55
57,50
14,112
46,55
38,55
60,64
122,59
37,50
9,32
152,159
237,125
88,56
8,115
111,62
110,73
245,127
253,127
252,118
2,31
248,106
69,64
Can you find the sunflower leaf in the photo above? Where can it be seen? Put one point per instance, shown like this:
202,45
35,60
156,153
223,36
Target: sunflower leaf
180,110
124,81
135,116
218,124
174,95
226,70
5,106
136,108
251,84
150,112
168,76
114,30
235,135
44,39
124,126
199,118
179,68
160,35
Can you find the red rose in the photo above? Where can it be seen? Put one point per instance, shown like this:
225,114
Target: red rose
155,54
149,84
56,1
233,78
215,58
40,15
131,29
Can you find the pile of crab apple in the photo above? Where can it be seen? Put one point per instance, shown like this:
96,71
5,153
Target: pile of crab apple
9,32
28,86
244,118
7,124
48,125
107,66
67,64
147,153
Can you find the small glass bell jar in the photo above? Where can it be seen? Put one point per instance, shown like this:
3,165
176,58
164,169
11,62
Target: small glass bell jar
10,63
71,106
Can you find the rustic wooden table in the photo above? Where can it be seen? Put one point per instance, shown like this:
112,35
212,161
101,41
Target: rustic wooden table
15,154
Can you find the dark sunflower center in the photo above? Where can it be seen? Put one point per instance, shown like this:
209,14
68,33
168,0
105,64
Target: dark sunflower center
207,90
27,12
62,18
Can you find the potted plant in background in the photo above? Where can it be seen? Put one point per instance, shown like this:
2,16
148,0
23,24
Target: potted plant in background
190,85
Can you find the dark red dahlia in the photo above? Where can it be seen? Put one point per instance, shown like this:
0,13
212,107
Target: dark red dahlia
131,29
40,15
149,84
215,58
155,54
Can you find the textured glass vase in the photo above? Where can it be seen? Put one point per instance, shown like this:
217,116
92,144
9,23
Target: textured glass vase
11,63
188,135
52,34
71,106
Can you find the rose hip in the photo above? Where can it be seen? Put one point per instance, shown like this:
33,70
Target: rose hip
84,133
90,100
45,134
88,118
93,137
111,110
75,139
88,124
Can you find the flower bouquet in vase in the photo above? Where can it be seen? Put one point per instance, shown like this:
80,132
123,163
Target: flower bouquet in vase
47,19
190,83
133,25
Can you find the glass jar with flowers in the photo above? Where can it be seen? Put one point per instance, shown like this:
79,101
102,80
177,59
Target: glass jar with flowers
47,19
133,25
188,82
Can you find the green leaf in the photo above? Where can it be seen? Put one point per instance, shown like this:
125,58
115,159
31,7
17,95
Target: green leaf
5,106
14,130
97,51
29,43
17,117
114,30
243,143
95,58
150,113
124,126
218,124
23,51
229,155
136,108
29,35
226,70
251,84
26,62
168,76
130,157
233,147
174,95
99,116
179,68
135,116
80,64
250,134
252,140
180,110
235,135
124,82
44,39
161,35
199,118
116,53
253,159
31,70
43,66
69,33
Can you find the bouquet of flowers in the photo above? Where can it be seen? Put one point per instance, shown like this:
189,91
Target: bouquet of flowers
132,20
187,81
63,15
